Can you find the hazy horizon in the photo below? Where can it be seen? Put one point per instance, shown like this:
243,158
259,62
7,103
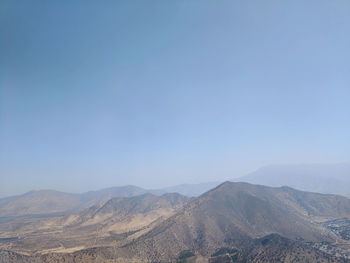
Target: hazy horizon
220,180
162,93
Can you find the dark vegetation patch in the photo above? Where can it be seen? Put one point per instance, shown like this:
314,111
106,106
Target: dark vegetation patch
8,239
185,255
225,250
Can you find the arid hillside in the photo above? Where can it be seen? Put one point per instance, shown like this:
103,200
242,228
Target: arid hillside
234,222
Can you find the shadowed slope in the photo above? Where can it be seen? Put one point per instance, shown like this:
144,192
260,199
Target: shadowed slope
234,213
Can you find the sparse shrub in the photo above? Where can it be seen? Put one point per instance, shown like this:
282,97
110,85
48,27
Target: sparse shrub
224,250
185,254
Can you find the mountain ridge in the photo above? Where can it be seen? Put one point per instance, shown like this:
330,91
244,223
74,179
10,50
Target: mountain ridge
322,178
234,222
204,224
46,201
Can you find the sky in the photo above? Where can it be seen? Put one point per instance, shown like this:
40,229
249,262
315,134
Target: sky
154,93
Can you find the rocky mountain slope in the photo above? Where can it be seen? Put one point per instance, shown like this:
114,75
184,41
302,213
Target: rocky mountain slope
269,249
234,213
113,221
234,222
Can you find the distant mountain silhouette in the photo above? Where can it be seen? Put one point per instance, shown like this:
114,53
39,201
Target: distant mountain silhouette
43,202
330,179
50,201
191,189
39,202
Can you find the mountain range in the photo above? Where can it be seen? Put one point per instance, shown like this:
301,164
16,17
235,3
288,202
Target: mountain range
118,219
233,214
328,179
233,222
321,178
44,202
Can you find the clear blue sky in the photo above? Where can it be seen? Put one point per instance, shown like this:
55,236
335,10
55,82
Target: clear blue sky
154,93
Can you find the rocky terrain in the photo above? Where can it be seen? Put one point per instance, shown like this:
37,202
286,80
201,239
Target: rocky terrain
113,221
234,222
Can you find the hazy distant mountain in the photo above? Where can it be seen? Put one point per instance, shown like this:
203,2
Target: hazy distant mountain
315,178
38,202
94,197
50,201
191,189
333,179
